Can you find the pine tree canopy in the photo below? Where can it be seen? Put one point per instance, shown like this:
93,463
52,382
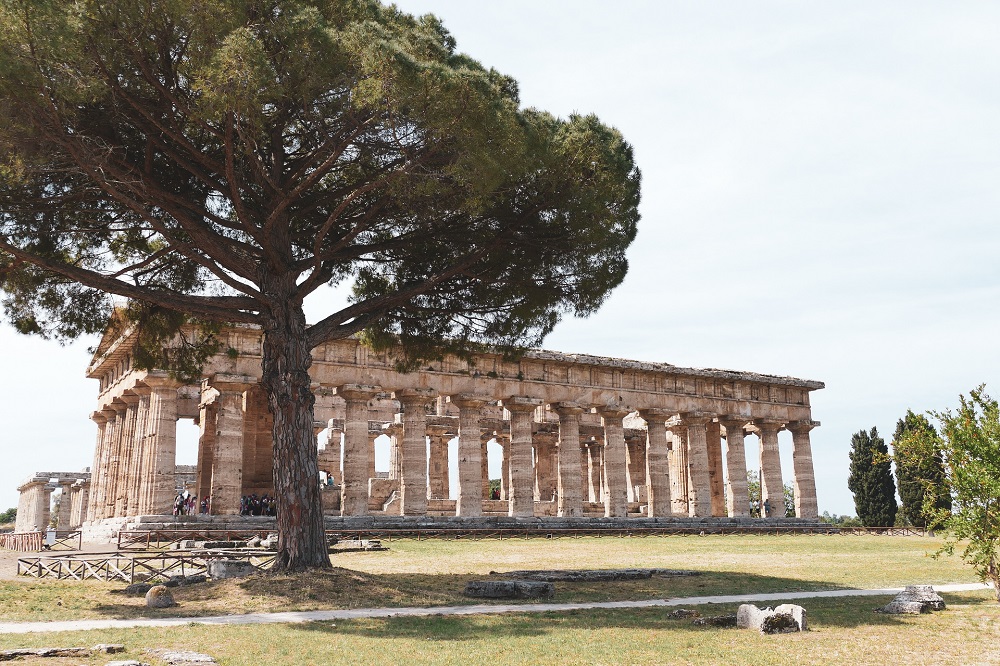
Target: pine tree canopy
218,161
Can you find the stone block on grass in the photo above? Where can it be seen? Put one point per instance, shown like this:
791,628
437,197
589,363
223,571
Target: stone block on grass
509,589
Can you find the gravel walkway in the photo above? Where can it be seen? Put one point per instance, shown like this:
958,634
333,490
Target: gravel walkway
478,609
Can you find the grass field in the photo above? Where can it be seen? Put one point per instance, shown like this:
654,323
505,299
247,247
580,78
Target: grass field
844,631
434,572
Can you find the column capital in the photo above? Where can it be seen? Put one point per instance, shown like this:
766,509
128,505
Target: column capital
470,400
546,437
734,421
437,430
118,406
130,397
142,390
393,429
159,379
696,418
231,383
415,396
109,413
357,391
520,403
655,414
769,425
801,427
100,418
568,408
614,411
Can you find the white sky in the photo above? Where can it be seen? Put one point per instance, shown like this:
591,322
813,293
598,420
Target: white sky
820,197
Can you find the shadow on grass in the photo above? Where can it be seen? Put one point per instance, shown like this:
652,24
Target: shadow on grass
846,612
344,589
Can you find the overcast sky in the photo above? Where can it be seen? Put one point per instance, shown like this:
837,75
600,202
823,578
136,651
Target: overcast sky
821,184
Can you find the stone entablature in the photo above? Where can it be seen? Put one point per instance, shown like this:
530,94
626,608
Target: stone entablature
646,436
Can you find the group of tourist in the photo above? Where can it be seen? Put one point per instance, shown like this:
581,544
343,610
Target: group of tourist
251,505
186,504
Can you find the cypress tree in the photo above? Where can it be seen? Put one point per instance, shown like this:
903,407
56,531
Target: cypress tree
871,480
923,486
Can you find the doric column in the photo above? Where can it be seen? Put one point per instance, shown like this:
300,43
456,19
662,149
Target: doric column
471,456
438,484
372,436
207,413
713,438
802,463
700,492
142,491
97,471
129,452
413,472
772,488
677,459
595,471
115,460
63,518
395,433
504,442
615,484
519,453
81,501
657,463
357,452
546,483
227,459
570,487
737,499
484,465
32,505
161,442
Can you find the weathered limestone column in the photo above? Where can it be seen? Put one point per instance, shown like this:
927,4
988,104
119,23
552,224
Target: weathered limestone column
680,485
522,411
142,481
504,442
413,473
372,436
595,471
162,444
227,461
584,472
657,463
357,453
546,483
64,517
81,496
471,456
805,477
570,486
437,464
700,491
772,488
97,471
615,485
142,491
207,417
33,505
395,433
484,466
128,452
737,499
115,460
713,437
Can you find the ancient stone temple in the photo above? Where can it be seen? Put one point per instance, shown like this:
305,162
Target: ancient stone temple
580,435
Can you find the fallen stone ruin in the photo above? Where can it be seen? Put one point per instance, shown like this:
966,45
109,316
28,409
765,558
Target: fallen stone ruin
913,600
593,575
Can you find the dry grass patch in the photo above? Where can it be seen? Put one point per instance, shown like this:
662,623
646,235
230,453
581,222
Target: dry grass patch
428,573
843,631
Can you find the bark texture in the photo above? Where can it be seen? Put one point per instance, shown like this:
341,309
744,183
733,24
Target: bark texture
286,360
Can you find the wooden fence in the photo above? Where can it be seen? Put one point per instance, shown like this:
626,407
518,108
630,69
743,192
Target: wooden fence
131,567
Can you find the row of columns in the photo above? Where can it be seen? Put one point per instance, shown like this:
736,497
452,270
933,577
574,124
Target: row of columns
136,451
683,471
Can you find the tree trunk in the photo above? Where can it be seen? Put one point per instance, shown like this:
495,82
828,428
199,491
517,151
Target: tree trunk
286,360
